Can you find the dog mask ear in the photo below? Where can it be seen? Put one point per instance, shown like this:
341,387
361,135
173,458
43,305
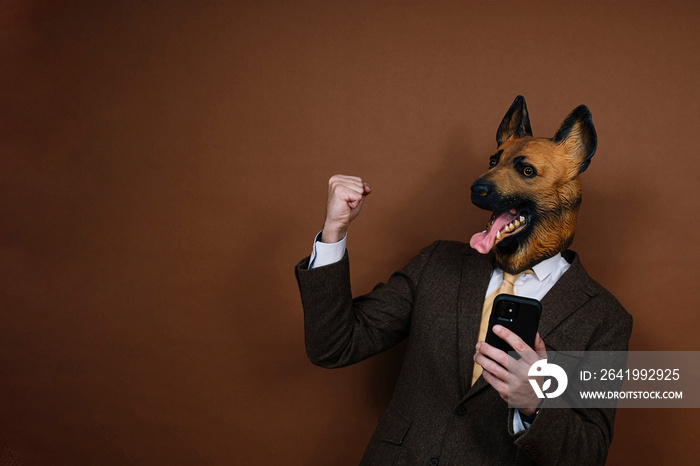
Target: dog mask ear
516,123
578,134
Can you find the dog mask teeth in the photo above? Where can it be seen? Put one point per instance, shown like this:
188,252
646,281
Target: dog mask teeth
499,225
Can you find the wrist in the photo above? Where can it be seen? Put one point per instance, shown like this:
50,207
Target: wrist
332,233
528,415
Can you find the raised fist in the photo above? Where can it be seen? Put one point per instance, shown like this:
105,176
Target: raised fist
345,197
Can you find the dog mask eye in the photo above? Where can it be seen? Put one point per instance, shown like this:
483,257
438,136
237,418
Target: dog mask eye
528,171
493,160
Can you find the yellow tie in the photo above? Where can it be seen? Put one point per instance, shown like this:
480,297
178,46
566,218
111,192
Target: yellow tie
507,288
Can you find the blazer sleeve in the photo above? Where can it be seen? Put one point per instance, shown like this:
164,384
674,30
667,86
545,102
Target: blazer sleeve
566,436
340,330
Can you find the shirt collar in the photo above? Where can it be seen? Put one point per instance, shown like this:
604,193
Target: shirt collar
545,268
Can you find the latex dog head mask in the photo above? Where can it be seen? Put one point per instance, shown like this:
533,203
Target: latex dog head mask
533,188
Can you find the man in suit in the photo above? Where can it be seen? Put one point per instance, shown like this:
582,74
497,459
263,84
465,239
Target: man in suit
451,402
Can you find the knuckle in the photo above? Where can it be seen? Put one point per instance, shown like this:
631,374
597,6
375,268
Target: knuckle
336,188
520,346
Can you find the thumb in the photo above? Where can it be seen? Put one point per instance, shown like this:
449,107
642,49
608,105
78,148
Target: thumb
357,202
539,346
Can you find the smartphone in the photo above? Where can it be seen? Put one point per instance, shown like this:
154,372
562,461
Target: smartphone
519,315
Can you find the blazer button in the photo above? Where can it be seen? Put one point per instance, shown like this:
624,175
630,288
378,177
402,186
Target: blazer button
434,461
461,410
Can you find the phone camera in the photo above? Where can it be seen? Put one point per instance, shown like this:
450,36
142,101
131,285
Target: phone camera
507,311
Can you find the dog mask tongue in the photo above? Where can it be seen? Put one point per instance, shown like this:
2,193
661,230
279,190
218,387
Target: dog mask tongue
484,241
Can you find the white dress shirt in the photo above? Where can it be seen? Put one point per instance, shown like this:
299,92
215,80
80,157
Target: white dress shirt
534,285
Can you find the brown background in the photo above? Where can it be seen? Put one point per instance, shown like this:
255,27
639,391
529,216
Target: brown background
164,166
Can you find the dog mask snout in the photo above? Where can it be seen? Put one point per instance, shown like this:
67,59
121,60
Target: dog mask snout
481,190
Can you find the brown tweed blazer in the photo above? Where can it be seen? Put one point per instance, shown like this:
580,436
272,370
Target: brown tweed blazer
435,417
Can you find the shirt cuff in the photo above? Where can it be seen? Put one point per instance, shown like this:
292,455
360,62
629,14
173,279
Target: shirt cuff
326,253
518,424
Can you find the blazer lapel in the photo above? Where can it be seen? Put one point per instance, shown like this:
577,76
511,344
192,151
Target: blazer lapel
476,273
570,292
